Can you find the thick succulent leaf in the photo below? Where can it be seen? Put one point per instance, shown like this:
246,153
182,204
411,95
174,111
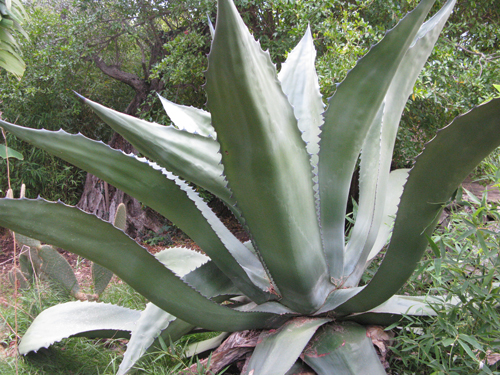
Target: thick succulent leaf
368,206
276,351
397,181
190,119
265,161
342,349
181,260
191,156
197,270
163,192
398,307
55,266
346,126
4,151
101,276
152,321
273,307
442,166
72,318
210,281
203,346
175,330
300,368
101,242
299,82
376,161
337,298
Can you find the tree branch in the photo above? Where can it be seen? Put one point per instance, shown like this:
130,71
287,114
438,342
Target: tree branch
113,71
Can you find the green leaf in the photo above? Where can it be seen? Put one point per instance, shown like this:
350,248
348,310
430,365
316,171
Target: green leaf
299,82
265,161
148,327
11,153
372,209
277,351
12,62
190,119
437,172
181,260
154,320
342,349
75,318
203,346
397,307
397,181
101,242
346,126
191,156
163,192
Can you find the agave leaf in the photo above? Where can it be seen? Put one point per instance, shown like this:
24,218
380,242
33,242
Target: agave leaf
442,166
265,161
190,119
300,368
368,206
101,242
299,82
163,192
191,156
397,180
210,281
72,318
12,153
152,321
181,260
277,351
207,279
337,298
345,348
203,346
272,307
346,126
396,307
197,270
101,276
376,161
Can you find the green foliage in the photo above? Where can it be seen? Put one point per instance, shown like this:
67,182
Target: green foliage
284,166
462,339
12,16
44,99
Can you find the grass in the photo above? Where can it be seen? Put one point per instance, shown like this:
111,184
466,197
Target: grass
463,262
76,356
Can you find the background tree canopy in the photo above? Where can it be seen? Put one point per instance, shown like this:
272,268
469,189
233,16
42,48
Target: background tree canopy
121,53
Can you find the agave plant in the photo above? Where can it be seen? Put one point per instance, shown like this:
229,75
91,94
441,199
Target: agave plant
283,164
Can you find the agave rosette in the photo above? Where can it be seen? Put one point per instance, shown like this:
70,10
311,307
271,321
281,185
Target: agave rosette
283,164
